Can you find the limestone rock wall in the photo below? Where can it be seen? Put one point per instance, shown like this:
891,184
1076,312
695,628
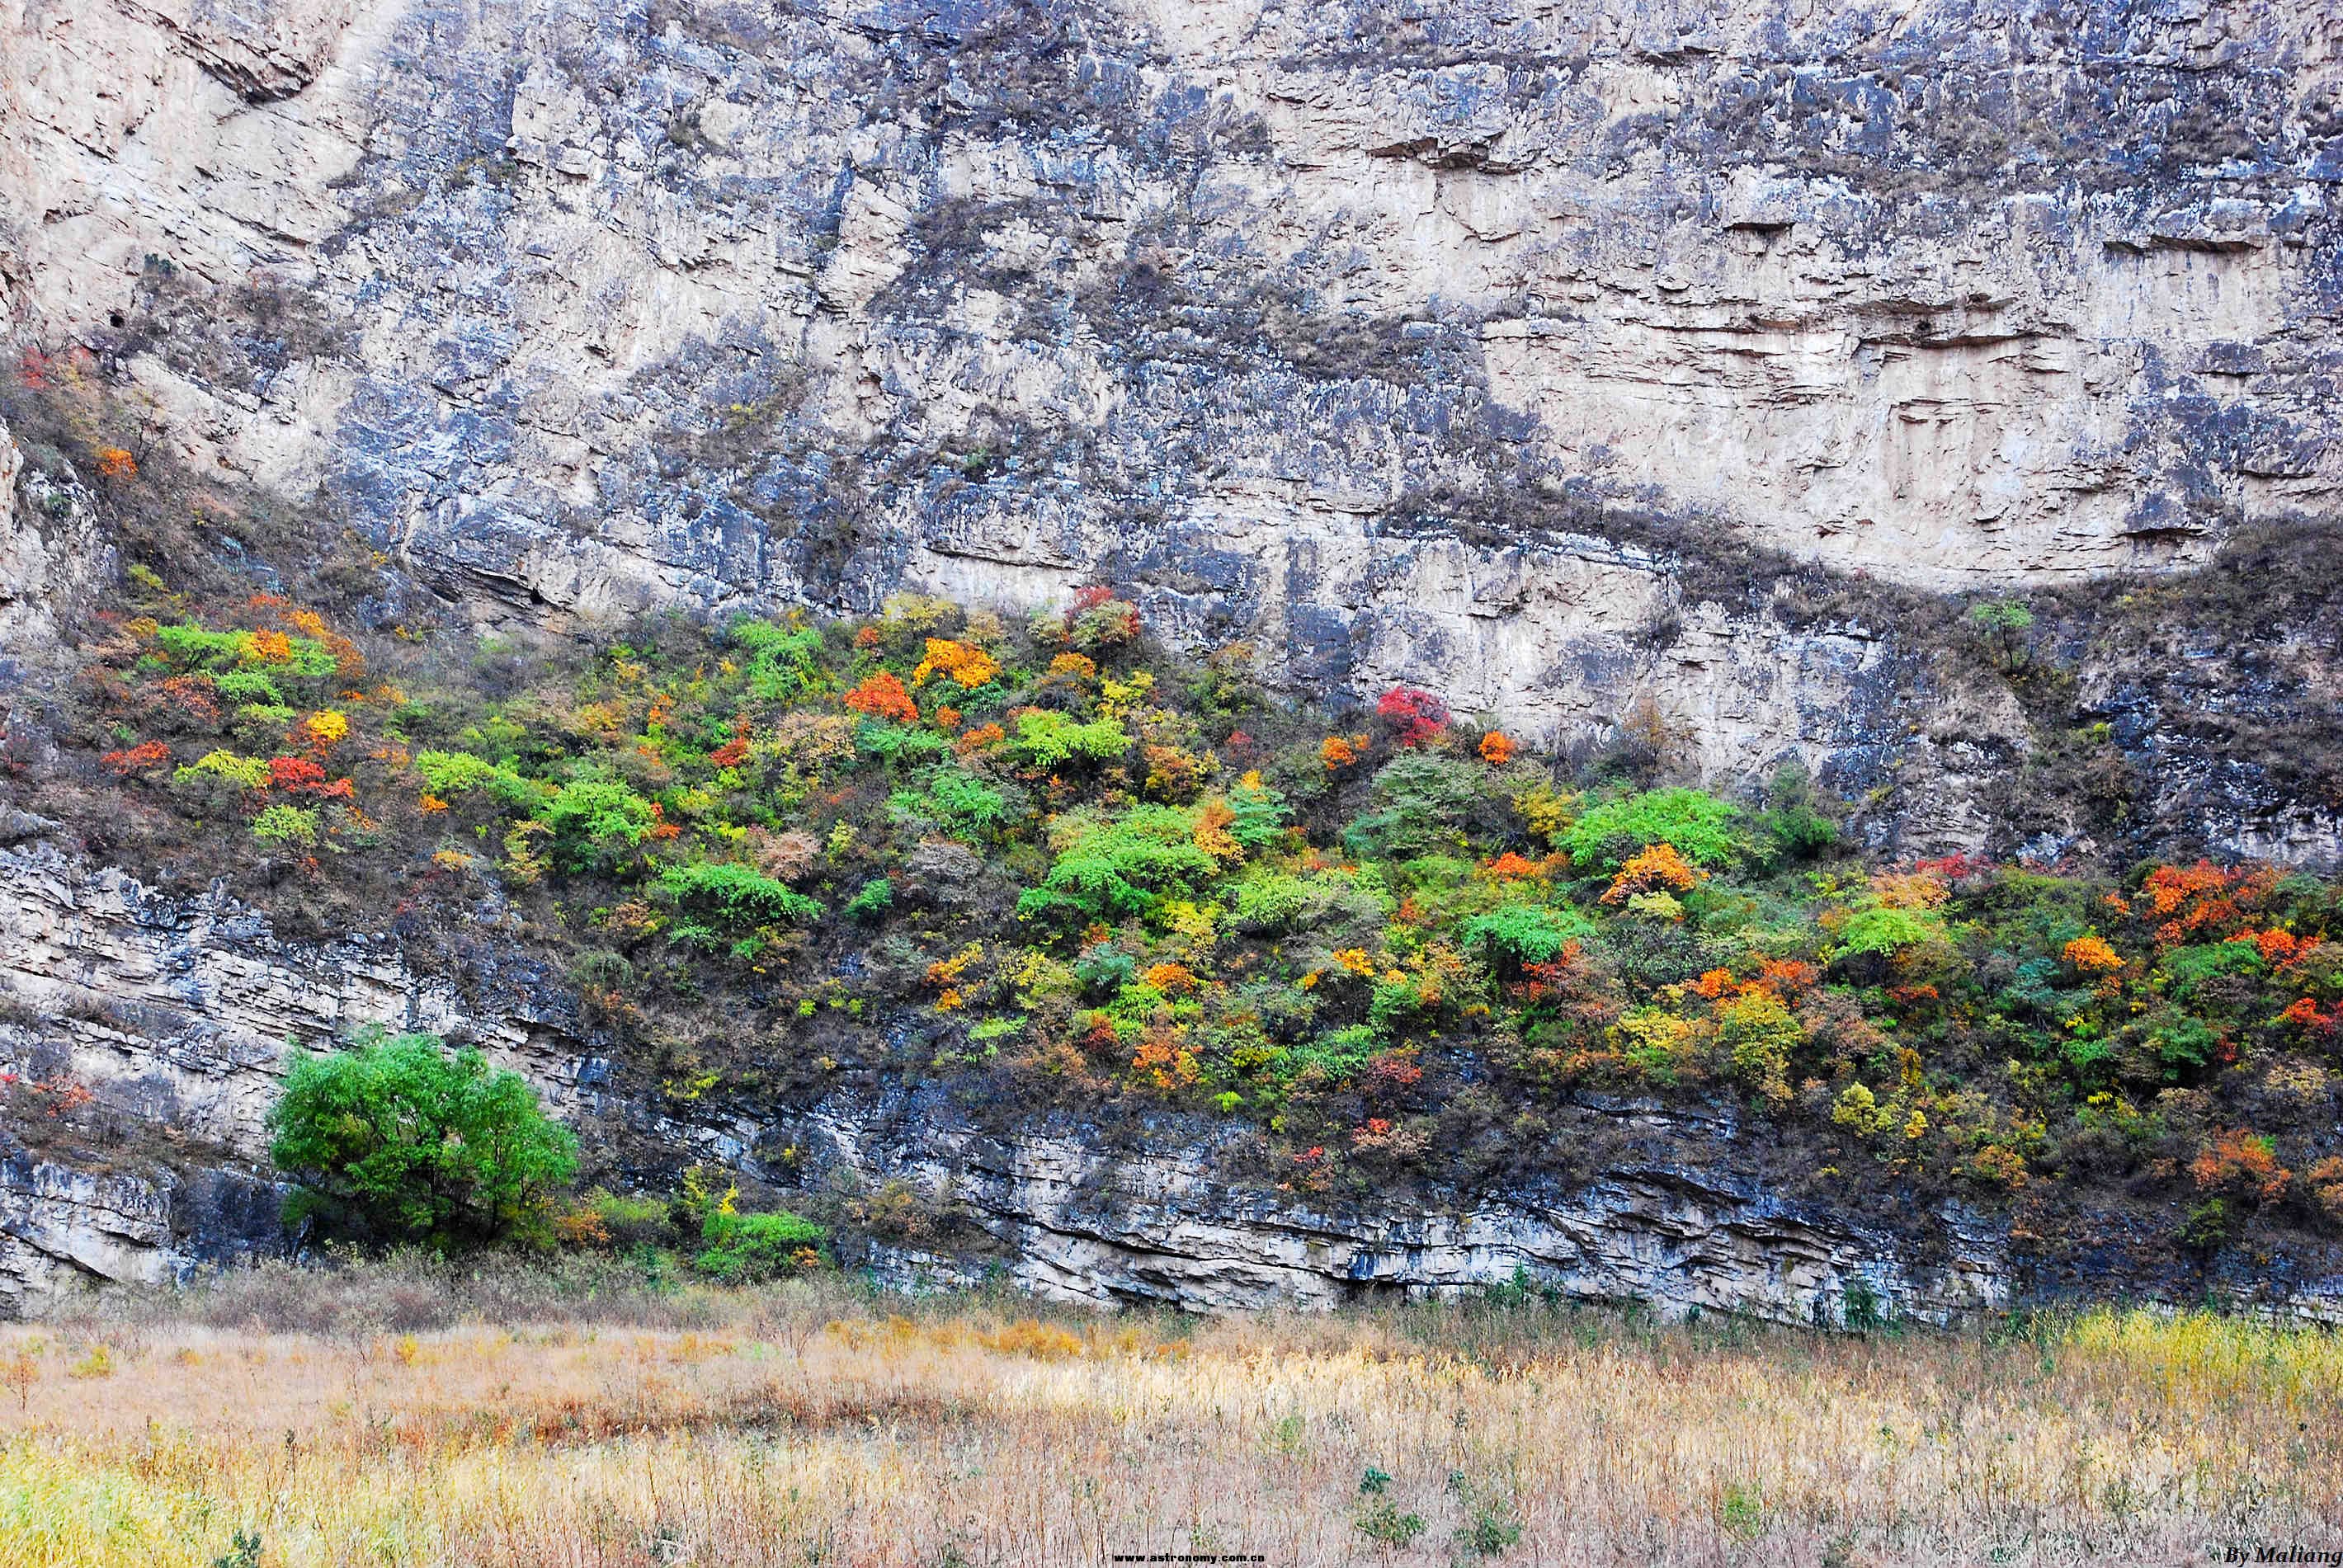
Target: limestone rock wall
1072,1222
53,558
179,1015
67,1232
1406,341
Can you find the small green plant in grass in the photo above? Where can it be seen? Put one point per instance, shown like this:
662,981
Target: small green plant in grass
1492,1524
243,1551
1742,1510
1383,1523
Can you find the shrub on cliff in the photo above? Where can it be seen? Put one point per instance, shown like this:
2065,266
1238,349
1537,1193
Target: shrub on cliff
399,1138
1705,829
746,1247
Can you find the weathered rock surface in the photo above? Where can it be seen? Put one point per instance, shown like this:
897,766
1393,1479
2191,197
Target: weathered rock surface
1076,1222
65,1231
1410,343
179,1015
184,1012
53,558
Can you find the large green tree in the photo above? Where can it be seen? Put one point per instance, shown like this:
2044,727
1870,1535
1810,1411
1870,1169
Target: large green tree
400,1139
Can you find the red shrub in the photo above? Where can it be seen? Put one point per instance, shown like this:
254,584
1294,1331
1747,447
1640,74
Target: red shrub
882,697
1417,715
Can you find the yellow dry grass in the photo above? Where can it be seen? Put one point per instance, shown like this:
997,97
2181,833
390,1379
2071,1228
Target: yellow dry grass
813,1427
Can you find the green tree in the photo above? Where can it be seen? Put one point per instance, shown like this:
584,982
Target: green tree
399,1138
2003,624
1524,933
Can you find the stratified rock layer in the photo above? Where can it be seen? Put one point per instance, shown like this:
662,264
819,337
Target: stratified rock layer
181,1014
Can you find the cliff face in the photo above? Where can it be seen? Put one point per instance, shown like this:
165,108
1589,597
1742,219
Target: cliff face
180,1015
1643,369
1472,344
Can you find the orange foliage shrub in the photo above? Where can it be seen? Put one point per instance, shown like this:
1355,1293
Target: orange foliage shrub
2200,901
2241,1159
1170,977
1508,867
1172,773
1788,977
731,754
1211,834
2092,956
882,696
300,776
1161,1056
1496,748
114,464
968,665
2277,946
193,695
1340,751
136,759
1657,867
1909,891
2326,1186
977,739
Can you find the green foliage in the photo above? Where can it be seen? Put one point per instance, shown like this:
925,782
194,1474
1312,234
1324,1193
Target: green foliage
195,648
783,662
740,895
1490,1526
591,818
243,1551
744,1248
1525,933
1120,865
966,803
456,772
1885,931
398,1139
1271,900
245,772
897,745
2004,624
249,686
1045,739
1260,815
873,900
1337,1055
1705,829
283,824
1383,1523
1423,801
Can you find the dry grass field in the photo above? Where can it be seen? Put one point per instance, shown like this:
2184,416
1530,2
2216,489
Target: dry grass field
816,1424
